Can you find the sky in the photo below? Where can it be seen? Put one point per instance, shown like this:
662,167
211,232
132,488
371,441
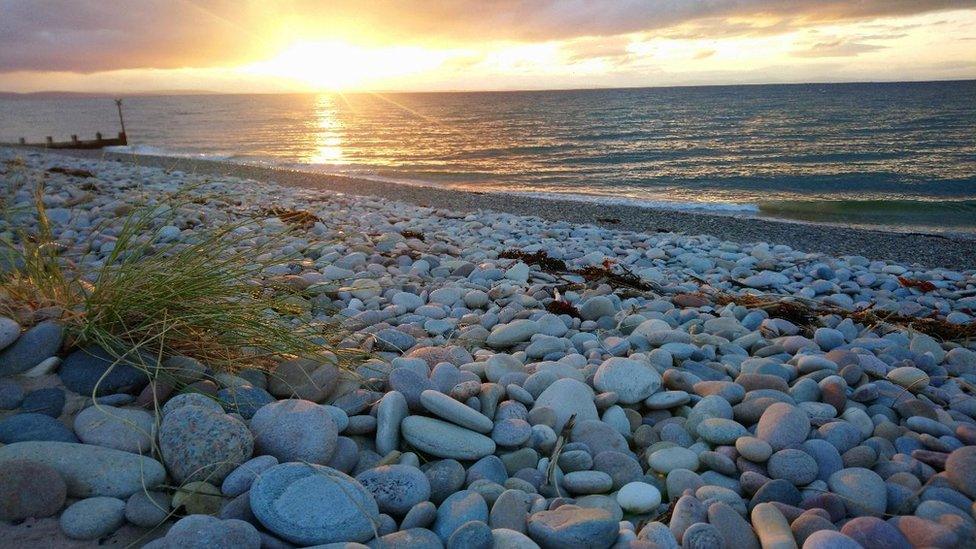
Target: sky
434,45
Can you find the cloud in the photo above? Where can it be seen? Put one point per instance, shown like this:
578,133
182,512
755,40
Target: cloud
97,35
837,48
704,54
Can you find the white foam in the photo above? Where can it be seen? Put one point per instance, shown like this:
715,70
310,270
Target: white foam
723,207
338,170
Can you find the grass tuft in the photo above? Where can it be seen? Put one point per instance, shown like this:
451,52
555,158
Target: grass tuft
203,298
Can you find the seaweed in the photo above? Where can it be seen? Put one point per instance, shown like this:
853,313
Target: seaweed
297,218
560,307
408,233
540,259
74,172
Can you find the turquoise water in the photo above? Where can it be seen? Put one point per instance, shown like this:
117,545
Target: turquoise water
900,155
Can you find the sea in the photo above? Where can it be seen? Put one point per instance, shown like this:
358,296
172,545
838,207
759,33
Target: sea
896,156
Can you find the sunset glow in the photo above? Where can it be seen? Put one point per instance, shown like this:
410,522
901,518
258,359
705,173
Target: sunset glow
302,46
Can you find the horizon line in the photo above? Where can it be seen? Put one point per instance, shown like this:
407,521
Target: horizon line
192,91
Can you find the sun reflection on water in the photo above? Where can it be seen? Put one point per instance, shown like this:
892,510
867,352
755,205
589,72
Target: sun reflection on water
327,133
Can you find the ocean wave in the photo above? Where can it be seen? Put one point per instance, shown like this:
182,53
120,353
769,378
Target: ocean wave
716,207
149,150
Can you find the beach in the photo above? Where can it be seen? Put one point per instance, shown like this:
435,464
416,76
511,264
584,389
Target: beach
494,370
957,251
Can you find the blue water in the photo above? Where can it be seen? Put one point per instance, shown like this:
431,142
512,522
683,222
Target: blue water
900,155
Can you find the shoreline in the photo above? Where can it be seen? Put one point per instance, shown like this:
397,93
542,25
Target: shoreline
455,364
928,250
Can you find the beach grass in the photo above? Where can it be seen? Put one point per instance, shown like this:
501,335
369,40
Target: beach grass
206,298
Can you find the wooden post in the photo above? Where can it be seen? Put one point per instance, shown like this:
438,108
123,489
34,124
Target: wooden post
98,136
22,141
49,140
118,105
74,138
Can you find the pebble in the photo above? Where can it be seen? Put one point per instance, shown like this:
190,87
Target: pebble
783,425
451,410
49,401
30,489
669,459
445,440
239,480
9,332
638,497
93,518
94,371
568,397
459,508
465,344
124,429
201,444
34,427
295,430
632,380
147,509
31,348
864,492
571,526
396,488
202,531
312,504
11,394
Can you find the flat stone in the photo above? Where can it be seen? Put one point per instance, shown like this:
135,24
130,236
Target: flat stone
638,497
772,528
295,430
147,509
48,401
458,509
304,379
244,400
572,526
721,431
31,348
669,459
90,470
93,518
9,332
504,336
240,479
451,410
124,429
446,477
200,444
396,488
11,394
311,504
567,397
864,492
36,427
632,380
94,371
30,489
793,465
783,425
445,440
389,414
212,533
875,533
960,467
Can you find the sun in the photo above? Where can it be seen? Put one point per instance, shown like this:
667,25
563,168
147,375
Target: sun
340,66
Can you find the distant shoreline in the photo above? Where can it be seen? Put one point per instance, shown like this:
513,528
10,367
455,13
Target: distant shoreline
929,250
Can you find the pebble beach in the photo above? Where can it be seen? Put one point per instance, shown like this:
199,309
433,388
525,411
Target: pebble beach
524,381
